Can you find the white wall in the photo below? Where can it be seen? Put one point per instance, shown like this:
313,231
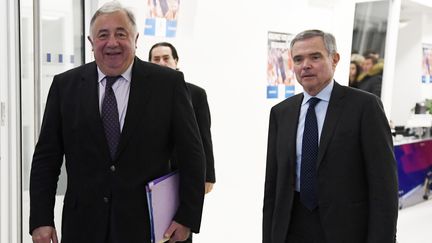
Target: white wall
407,86
223,48
407,78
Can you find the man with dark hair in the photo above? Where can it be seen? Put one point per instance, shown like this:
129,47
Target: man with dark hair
116,122
331,175
371,78
165,54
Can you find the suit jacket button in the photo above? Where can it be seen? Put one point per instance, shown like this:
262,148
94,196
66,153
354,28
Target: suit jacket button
106,199
112,168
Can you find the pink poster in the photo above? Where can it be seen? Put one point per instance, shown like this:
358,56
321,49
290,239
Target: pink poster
427,64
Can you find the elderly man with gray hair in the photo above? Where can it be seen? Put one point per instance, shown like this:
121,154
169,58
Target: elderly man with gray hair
331,175
115,121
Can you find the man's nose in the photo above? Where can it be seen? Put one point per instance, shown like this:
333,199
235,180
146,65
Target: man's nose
161,62
306,64
112,41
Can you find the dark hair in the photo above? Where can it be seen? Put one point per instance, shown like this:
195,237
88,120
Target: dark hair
358,71
372,58
329,39
167,44
370,52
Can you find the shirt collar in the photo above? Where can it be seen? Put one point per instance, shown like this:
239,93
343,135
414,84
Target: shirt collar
324,94
127,75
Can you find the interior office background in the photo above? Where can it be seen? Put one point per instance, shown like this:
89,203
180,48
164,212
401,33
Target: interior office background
223,48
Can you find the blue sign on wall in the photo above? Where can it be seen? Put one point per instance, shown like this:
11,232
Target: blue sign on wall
150,27
272,92
171,28
289,91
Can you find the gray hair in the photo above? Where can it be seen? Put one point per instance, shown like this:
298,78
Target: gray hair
111,7
329,39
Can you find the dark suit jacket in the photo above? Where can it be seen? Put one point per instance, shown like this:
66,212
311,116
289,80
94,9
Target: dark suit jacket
202,114
159,117
357,177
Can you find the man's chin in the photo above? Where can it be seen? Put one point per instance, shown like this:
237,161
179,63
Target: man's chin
112,70
308,80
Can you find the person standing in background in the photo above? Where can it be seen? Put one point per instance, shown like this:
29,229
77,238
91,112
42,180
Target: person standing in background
116,122
370,80
355,71
165,54
331,175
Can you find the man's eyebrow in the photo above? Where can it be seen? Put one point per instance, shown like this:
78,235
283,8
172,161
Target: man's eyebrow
315,53
309,54
121,28
102,30
297,56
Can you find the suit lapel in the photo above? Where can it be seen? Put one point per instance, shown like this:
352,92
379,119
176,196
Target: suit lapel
332,116
138,96
89,104
288,133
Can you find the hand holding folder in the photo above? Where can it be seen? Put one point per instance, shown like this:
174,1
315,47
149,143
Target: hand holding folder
177,232
163,201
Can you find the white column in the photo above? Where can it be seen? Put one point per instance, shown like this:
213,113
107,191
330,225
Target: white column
10,189
390,55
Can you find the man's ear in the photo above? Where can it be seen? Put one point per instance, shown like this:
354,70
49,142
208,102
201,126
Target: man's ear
335,59
136,40
91,42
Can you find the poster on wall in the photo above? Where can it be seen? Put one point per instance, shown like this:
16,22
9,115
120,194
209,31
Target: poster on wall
427,63
280,73
161,18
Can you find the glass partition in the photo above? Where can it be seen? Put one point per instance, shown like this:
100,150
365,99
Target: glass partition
369,46
52,38
370,27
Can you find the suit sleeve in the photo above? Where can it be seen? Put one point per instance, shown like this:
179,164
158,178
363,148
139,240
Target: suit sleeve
381,173
46,164
190,158
202,112
270,181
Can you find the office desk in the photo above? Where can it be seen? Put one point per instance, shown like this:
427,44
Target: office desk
414,159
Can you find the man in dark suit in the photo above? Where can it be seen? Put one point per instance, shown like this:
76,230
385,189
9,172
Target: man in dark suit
109,161
331,174
165,54
371,78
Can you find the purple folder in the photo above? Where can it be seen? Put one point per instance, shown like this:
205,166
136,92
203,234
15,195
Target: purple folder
163,201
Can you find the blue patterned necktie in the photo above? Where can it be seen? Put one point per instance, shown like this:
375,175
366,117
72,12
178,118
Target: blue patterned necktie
308,173
110,116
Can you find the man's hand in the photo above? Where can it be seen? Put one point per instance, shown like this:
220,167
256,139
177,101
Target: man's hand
208,187
44,234
177,232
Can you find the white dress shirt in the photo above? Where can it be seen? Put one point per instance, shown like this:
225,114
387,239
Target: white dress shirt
121,90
